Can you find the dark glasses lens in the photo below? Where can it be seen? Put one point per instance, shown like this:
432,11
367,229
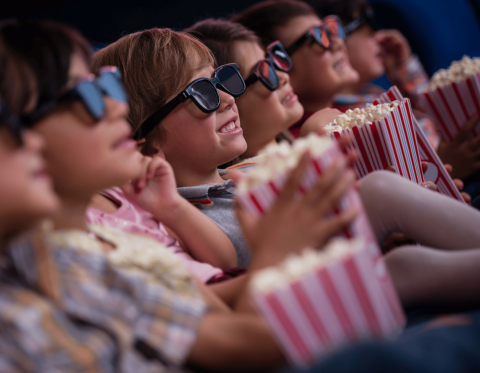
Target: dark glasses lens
335,27
91,97
231,80
205,94
111,84
321,36
280,58
267,74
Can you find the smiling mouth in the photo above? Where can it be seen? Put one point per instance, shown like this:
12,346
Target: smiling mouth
229,127
339,65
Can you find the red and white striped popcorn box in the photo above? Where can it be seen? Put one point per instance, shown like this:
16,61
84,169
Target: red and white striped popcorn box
260,198
387,142
330,306
454,104
436,171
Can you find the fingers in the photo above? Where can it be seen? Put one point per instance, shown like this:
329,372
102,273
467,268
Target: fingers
466,198
424,166
293,182
391,169
458,184
236,175
245,219
465,130
448,168
335,225
429,185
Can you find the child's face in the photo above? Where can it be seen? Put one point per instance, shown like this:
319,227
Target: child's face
365,53
25,187
264,114
83,155
317,74
199,141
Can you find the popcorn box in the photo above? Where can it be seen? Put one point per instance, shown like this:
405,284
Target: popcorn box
260,198
327,307
436,170
454,104
390,141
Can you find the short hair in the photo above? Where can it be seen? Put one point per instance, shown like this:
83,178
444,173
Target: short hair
219,36
155,64
35,61
346,10
263,18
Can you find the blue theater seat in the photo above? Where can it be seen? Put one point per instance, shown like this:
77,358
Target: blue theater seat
439,31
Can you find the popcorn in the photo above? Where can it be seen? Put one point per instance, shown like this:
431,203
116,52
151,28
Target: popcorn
436,171
277,159
458,71
319,301
453,97
295,266
383,135
359,117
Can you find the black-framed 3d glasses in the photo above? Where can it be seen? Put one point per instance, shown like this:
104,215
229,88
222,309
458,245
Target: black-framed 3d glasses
203,92
90,92
322,34
277,59
12,123
367,17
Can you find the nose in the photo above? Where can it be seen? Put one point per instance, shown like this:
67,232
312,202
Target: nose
283,78
33,141
226,101
337,43
115,109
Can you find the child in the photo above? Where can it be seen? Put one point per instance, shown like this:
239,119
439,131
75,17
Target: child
186,135
321,72
123,302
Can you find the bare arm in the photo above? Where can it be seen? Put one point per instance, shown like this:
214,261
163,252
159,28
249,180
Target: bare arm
234,343
156,192
205,241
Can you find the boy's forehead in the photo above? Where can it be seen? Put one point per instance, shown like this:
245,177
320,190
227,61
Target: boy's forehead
205,72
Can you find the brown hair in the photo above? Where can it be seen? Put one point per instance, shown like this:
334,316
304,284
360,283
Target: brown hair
155,64
220,35
35,61
263,18
346,10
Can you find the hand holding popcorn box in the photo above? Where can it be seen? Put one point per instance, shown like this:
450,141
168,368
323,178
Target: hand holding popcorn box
453,96
335,309
383,136
436,171
322,300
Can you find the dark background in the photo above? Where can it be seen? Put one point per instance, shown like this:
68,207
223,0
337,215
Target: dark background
104,21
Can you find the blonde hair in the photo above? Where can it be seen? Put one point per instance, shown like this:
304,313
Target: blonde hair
155,64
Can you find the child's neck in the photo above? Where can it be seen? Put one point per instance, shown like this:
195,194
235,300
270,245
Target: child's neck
71,214
254,146
317,104
189,177
353,89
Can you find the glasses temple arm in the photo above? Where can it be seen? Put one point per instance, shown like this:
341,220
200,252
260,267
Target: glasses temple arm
152,121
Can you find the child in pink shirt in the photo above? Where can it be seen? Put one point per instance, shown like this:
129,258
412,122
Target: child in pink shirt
139,206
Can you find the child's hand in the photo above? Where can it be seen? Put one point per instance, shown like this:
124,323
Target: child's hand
459,184
396,49
461,153
155,190
294,223
319,120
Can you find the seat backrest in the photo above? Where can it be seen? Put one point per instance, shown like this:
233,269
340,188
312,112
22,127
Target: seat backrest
439,31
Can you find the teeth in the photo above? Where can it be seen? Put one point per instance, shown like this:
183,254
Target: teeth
287,98
227,128
338,65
